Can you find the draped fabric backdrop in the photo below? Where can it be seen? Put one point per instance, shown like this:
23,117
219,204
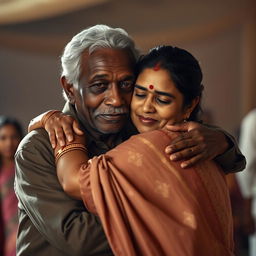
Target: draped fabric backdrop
14,11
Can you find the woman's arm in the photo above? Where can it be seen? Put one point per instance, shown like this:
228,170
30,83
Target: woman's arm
69,160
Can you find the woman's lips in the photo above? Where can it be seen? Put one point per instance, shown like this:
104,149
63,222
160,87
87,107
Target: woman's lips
147,120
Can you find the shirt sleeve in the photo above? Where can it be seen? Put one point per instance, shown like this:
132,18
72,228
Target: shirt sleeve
232,160
63,221
247,179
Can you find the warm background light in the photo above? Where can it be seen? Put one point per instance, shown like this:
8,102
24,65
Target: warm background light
221,34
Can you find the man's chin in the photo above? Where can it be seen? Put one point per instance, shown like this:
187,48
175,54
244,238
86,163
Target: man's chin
110,127
110,130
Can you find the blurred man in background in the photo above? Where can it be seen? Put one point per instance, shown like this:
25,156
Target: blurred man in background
247,178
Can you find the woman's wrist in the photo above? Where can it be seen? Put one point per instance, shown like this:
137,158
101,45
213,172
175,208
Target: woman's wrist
70,147
40,121
47,116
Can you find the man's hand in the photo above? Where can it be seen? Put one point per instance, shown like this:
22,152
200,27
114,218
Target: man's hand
195,143
62,128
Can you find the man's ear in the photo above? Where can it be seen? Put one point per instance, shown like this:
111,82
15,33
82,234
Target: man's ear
68,89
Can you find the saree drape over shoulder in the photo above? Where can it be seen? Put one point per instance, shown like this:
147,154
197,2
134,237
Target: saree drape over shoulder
152,207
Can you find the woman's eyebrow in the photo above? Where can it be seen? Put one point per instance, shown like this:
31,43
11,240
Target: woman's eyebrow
140,87
157,92
165,94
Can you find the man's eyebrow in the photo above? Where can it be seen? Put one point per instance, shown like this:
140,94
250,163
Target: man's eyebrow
158,92
128,77
98,77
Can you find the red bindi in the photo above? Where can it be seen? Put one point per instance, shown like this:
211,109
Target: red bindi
151,87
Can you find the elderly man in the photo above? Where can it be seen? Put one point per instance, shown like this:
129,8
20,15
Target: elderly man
98,81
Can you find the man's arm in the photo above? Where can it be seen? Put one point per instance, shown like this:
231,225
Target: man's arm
231,160
64,222
198,142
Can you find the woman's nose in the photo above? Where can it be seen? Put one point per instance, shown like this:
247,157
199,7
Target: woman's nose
148,106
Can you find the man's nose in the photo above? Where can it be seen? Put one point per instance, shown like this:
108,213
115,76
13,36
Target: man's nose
148,106
114,97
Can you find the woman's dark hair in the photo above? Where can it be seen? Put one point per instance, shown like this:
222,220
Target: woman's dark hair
4,120
184,70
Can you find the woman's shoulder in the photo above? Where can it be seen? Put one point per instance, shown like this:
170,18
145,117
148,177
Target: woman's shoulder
156,140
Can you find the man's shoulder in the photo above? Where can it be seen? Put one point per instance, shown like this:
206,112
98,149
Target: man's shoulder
36,139
35,153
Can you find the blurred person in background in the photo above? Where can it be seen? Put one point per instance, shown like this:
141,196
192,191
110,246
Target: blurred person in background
247,179
10,136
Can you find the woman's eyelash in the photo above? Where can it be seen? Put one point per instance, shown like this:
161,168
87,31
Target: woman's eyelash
140,95
163,101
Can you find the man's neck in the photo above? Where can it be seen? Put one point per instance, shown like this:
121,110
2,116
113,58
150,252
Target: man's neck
108,139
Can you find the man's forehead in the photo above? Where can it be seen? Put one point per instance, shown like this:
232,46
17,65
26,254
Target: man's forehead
108,54
107,59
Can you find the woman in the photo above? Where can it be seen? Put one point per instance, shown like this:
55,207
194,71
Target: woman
10,136
148,205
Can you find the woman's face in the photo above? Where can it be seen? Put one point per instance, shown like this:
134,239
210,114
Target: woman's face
156,101
9,141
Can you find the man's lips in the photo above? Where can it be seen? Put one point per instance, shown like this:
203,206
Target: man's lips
112,117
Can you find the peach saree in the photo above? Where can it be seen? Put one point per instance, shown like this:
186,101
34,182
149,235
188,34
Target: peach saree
152,207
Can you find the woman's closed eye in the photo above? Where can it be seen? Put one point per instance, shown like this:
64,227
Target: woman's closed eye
163,101
140,95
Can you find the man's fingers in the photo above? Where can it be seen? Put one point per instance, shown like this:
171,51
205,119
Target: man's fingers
179,144
177,128
183,136
183,127
192,161
186,153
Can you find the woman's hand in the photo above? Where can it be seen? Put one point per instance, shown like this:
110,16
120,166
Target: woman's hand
196,143
61,128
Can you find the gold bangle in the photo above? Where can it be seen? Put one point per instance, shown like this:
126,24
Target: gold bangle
47,115
68,148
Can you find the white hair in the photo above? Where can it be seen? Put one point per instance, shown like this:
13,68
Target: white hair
92,38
